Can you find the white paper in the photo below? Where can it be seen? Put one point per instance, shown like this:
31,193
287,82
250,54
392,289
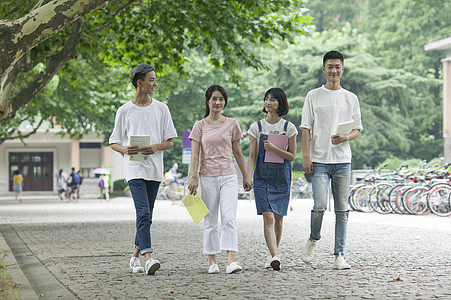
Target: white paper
345,127
140,141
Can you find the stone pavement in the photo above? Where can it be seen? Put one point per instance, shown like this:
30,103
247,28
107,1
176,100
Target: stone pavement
81,250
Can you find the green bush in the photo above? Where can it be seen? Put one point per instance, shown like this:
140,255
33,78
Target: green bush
119,185
395,162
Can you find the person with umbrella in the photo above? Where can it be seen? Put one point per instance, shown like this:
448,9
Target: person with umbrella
103,183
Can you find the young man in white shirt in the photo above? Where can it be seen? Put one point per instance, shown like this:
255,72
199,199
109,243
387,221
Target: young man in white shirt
327,155
143,116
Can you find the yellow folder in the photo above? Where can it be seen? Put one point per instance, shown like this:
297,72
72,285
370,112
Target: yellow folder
195,207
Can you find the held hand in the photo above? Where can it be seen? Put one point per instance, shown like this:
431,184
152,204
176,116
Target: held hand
268,145
338,139
148,150
193,184
307,166
247,184
131,150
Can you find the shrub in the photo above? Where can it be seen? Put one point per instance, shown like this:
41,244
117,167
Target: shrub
119,185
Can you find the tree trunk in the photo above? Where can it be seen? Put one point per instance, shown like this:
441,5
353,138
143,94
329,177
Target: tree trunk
19,36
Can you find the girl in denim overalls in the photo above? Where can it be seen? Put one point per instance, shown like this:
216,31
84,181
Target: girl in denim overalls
272,181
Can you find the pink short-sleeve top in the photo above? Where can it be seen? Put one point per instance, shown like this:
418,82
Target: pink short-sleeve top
216,146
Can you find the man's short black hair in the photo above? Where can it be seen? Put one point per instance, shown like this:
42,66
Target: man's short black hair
333,55
139,73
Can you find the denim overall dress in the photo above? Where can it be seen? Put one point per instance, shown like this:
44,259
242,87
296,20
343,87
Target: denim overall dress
272,181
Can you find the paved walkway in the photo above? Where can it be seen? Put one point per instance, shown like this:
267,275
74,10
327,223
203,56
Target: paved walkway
81,250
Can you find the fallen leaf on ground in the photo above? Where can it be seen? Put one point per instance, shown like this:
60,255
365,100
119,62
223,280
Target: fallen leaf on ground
398,279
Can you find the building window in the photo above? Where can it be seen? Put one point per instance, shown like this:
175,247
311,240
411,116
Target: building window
90,145
36,158
88,173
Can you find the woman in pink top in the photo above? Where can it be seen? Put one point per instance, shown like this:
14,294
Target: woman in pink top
217,137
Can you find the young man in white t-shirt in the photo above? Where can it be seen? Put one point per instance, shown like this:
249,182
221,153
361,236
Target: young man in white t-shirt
143,116
327,155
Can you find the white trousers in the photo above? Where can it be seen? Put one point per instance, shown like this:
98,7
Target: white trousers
220,193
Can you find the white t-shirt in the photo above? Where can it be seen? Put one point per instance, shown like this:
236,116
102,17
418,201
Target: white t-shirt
61,182
153,120
268,128
323,110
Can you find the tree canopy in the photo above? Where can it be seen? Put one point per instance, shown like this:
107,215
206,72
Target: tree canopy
248,47
104,44
20,36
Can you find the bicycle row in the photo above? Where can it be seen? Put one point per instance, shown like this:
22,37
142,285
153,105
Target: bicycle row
417,192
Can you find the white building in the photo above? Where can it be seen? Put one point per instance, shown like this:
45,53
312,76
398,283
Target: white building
445,45
45,153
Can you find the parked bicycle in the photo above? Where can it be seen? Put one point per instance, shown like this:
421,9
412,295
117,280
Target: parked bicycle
416,191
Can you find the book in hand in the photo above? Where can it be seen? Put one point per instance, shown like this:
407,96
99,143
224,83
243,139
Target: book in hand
281,142
140,141
345,127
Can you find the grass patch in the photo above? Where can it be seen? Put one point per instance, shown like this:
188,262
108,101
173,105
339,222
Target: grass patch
8,288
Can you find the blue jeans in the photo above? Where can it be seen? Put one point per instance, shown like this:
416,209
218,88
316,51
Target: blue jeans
340,177
144,193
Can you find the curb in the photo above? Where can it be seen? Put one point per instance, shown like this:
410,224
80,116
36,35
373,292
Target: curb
37,281
25,290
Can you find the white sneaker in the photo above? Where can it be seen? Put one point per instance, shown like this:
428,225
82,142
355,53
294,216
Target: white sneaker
275,263
135,265
307,252
268,262
340,263
214,269
233,268
152,265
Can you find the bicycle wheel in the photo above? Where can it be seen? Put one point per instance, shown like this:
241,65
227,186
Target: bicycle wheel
379,198
178,194
361,198
162,192
438,199
415,202
400,202
393,197
351,202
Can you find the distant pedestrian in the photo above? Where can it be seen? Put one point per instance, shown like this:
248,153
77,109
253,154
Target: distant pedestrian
61,184
327,154
143,117
79,185
18,185
173,179
73,183
104,187
272,180
218,137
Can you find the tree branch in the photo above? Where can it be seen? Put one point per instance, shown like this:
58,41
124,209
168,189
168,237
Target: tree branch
20,135
21,35
54,65
108,24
